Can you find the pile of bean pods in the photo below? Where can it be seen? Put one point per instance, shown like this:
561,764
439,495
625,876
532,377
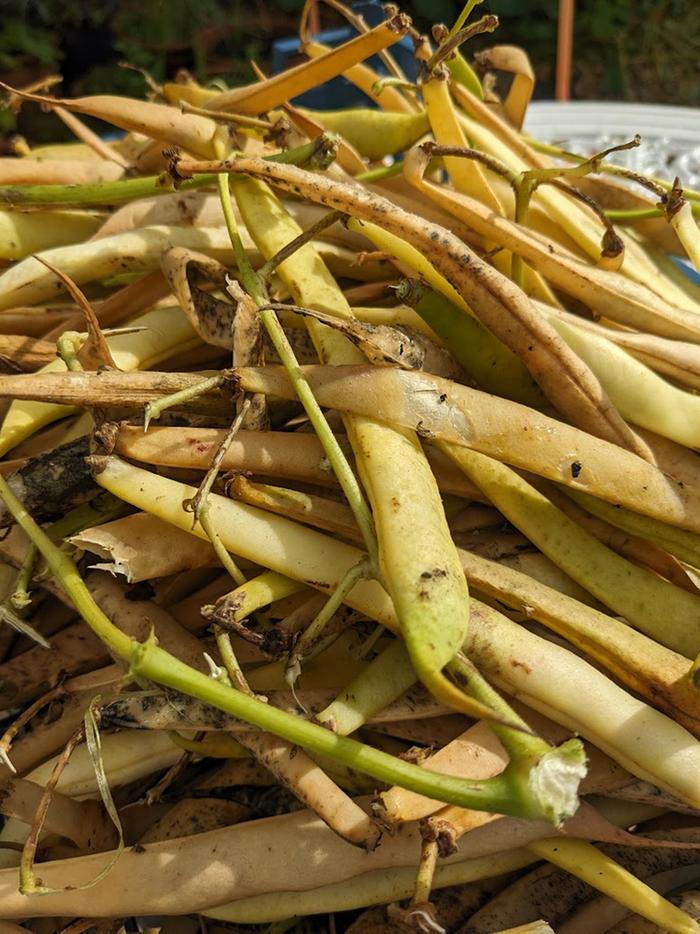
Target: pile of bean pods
350,574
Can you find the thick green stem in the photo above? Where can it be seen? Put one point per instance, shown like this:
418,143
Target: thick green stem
525,749
131,189
149,662
153,663
63,568
94,193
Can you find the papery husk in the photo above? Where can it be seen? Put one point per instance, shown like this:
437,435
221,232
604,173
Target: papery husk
141,547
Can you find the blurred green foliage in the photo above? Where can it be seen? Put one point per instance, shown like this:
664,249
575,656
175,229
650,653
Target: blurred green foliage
637,50
643,50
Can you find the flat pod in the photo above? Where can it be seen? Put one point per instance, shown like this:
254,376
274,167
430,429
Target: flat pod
505,430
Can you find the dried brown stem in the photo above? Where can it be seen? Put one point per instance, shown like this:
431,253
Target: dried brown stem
32,841
21,721
110,389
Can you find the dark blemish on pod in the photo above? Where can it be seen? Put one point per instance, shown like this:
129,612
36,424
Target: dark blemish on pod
143,590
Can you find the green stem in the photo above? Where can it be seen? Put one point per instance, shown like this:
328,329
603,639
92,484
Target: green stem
153,663
641,214
231,663
368,645
338,461
402,83
130,189
383,171
222,552
64,569
521,744
95,193
314,631
464,16
20,598
607,168
334,452
67,347
267,269
149,662
455,38
249,279
155,409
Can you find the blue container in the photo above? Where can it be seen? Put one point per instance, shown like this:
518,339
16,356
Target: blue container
687,268
340,93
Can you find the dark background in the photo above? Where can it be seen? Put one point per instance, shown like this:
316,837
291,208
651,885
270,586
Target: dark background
640,50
